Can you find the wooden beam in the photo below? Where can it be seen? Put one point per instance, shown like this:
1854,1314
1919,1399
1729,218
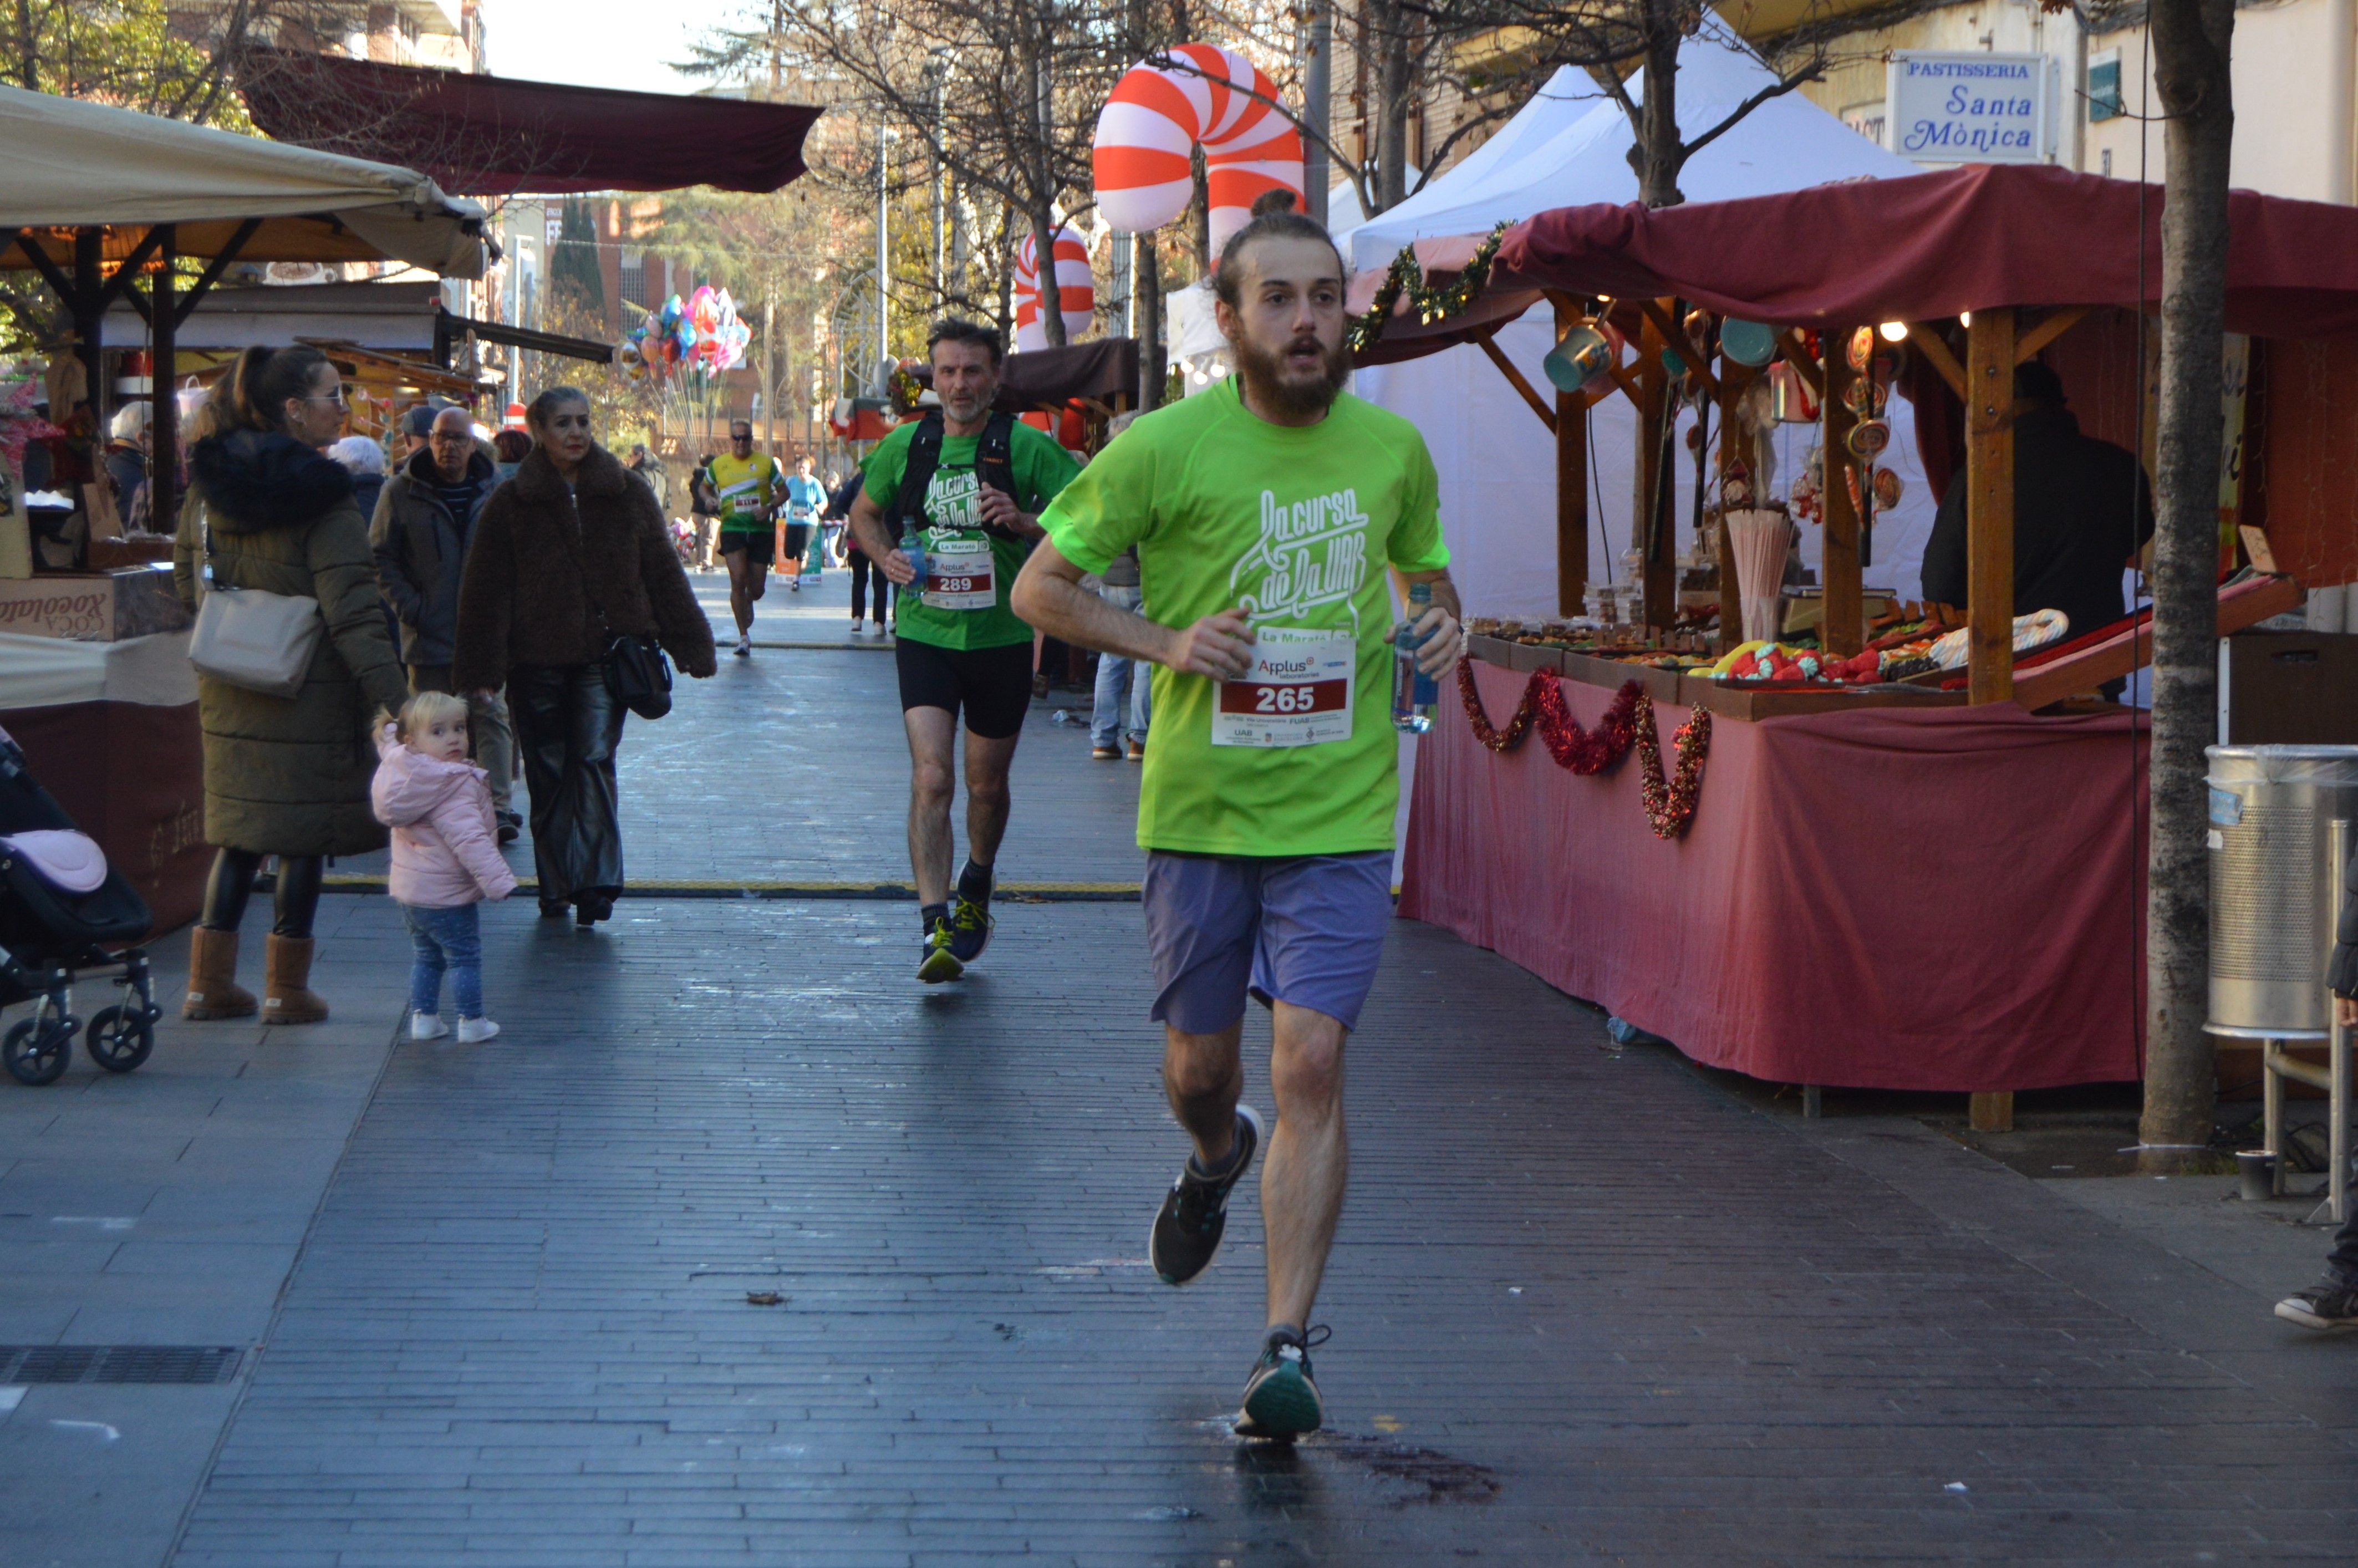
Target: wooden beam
1989,505
1992,1113
2057,324
1936,353
1797,354
1844,629
1656,529
1734,381
164,428
215,267
1516,379
1571,488
1675,335
120,280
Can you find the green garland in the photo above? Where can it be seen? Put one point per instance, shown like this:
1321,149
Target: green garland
1430,305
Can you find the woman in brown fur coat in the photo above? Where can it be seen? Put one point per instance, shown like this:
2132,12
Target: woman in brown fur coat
571,551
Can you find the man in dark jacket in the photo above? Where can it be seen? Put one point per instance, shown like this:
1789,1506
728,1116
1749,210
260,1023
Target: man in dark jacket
2082,511
2332,1302
423,525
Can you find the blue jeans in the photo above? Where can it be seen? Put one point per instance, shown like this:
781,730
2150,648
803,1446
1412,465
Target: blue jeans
442,939
1118,678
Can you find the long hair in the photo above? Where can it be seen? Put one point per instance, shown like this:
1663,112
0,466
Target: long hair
254,394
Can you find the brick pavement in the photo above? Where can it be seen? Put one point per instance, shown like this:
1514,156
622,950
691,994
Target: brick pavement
1587,1306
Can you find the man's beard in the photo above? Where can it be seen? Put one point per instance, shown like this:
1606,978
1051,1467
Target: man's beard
1266,377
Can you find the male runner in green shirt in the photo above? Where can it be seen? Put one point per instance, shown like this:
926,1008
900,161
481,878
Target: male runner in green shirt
968,484
1264,512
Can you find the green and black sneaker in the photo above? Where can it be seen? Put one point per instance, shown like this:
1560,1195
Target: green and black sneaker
1281,1401
957,940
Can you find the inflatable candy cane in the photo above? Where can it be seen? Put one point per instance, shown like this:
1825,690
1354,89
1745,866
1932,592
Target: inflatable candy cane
1075,291
1157,114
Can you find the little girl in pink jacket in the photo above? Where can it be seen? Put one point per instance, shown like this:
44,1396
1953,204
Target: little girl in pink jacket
445,857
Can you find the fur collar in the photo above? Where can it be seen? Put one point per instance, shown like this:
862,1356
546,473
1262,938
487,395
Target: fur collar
600,474
254,480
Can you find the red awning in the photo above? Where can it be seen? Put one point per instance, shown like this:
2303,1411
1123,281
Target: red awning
1929,245
490,135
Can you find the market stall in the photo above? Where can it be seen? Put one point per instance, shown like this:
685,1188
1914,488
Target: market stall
1792,876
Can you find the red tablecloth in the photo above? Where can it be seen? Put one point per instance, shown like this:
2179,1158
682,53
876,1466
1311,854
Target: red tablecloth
1915,899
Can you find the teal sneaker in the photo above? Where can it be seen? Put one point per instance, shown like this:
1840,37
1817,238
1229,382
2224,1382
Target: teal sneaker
1281,1403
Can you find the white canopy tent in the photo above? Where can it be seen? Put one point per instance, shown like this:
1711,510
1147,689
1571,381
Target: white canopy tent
1569,147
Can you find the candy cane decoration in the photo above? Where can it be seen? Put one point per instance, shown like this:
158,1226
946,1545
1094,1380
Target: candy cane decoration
1157,114
1076,290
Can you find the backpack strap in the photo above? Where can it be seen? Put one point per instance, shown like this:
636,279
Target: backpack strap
925,457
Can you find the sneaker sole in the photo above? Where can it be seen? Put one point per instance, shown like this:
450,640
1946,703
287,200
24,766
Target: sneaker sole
1284,1407
1260,1136
940,964
2307,1319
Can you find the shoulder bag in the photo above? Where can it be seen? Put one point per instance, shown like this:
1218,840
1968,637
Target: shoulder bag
254,640
637,673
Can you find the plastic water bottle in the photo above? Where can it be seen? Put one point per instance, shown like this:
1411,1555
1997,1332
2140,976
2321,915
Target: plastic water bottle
913,545
1413,692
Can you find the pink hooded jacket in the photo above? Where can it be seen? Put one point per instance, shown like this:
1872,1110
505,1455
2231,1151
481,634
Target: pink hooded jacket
446,847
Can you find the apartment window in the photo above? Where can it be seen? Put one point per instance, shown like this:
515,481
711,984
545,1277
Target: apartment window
2104,87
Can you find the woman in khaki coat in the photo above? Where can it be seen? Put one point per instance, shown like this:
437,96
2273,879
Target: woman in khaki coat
283,776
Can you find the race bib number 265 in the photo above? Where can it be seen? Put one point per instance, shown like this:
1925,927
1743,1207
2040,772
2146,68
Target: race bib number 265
1298,693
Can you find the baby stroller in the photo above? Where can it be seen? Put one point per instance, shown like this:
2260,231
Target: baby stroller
60,907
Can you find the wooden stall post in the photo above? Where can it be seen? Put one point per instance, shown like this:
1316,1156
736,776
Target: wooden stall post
1571,487
1844,629
1989,505
1734,380
164,428
1654,532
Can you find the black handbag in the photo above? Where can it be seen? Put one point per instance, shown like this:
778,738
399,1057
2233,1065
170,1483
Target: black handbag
639,676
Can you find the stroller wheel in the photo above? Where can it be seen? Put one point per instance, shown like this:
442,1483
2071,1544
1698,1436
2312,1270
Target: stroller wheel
118,1039
35,1051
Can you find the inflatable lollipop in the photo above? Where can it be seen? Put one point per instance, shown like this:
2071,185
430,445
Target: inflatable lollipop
1157,115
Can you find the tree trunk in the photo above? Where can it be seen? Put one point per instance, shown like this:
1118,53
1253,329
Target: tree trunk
1152,364
1659,152
1390,21
2191,40
1051,298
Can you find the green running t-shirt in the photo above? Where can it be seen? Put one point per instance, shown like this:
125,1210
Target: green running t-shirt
1294,526
967,571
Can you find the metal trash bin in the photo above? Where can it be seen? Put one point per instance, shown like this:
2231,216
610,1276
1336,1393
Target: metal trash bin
2279,819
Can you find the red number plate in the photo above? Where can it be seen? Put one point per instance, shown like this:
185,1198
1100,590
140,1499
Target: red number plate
1283,698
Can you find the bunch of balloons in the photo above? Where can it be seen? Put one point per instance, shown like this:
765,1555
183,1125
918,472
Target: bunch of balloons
701,332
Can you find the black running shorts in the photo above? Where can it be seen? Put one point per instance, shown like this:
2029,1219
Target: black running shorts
761,542
994,686
797,541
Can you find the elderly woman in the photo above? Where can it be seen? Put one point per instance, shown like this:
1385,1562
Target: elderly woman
569,554
284,775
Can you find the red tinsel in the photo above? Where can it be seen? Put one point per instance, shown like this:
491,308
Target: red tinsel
1669,803
1583,751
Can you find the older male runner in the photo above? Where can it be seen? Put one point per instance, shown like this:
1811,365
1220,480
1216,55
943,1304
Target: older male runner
969,484
1264,512
747,488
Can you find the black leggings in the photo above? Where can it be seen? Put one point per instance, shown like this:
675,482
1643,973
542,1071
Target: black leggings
862,569
295,899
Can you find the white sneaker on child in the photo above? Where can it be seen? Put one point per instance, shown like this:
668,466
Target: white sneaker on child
427,1026
475,1031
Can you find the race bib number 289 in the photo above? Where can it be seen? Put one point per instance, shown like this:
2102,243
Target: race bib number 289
1298,693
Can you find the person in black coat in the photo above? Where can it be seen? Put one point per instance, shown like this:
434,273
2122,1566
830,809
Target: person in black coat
2332,1302
2082,511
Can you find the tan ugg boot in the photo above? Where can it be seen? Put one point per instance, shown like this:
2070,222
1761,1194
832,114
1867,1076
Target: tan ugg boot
214,990
286,980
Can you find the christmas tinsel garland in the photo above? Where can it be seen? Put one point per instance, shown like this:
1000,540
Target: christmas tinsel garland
1627,723
1406,275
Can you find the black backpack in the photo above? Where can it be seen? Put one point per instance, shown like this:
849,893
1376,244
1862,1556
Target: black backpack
994,464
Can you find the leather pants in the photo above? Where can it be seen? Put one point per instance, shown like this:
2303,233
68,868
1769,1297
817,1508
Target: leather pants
568,726
297,898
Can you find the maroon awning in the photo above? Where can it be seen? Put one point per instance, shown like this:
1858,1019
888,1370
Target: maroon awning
1933,244
490,135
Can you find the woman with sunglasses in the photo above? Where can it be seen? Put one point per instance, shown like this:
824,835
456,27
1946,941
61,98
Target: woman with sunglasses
569,554
284,775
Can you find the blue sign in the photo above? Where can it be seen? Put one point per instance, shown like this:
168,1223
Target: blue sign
1968,107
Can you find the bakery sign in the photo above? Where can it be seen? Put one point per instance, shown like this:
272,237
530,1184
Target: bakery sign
1965,106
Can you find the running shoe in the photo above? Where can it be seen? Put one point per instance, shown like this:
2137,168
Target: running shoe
2328,1304
744,645
958,940
1281,1401
1195,1211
